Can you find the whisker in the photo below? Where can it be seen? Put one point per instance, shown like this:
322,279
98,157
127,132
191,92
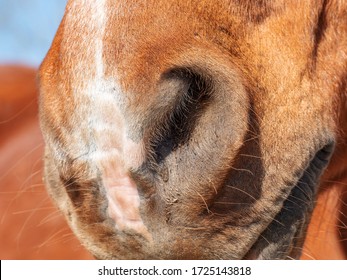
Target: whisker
208,210
31,210
20,160
18,113
52,237
238,189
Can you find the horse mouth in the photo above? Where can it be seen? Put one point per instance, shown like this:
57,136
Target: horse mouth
284,236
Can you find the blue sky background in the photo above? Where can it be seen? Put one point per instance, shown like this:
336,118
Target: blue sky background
27,28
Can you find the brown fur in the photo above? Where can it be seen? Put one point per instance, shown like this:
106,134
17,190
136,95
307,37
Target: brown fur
222,178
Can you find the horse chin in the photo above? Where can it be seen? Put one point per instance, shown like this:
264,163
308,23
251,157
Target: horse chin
284,236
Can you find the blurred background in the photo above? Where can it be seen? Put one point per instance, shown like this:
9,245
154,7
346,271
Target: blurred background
30,225
27,28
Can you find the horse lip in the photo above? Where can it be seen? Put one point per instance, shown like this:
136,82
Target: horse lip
284,236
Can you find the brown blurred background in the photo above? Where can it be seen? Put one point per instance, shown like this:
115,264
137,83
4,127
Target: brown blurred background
30,225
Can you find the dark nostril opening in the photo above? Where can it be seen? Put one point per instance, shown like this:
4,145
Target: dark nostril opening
324,154
189,105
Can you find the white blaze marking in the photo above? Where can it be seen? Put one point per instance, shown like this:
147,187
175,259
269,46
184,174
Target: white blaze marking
101,22
100,112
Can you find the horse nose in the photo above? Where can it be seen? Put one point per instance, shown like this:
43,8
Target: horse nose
192,128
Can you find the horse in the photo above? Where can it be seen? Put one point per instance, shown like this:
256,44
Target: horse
196,129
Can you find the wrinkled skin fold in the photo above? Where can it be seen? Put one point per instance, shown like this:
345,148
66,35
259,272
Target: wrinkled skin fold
193,129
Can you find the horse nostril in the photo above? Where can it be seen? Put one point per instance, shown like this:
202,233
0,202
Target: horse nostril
189,105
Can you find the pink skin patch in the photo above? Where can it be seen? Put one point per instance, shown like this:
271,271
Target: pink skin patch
121,190
124,203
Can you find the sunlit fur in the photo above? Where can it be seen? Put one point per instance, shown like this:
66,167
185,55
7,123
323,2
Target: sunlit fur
219,115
